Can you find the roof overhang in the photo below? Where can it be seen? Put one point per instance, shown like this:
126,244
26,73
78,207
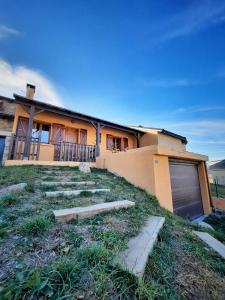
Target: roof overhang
72,114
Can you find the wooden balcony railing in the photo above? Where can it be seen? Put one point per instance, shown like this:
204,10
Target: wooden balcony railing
18,146
65,151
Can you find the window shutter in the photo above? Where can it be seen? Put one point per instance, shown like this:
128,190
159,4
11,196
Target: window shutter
22,127
109,142
57,134
71,135
125,143
83,136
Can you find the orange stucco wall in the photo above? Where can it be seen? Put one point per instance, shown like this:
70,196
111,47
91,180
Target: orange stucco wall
47,151
148,168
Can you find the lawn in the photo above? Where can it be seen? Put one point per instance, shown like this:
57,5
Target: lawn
218,190
43,259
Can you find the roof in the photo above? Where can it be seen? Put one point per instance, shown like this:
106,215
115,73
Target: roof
72,114
163,131
218,165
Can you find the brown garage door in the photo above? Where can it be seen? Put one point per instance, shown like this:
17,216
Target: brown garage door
187,200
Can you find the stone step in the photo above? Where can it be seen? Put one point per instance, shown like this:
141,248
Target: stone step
52,183
74,192
12,188
134,259
64,215
211,242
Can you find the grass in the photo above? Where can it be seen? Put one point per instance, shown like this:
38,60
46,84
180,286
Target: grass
42,259
9,200
218,190
35,226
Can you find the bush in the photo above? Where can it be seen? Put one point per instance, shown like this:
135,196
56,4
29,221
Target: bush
35,226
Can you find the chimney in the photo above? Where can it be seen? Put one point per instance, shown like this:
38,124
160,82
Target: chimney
30,91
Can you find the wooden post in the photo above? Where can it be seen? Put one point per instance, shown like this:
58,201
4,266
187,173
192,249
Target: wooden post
29,133
98,131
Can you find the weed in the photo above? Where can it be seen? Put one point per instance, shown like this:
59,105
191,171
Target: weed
9,200
3,231
86,194
35,226
30,187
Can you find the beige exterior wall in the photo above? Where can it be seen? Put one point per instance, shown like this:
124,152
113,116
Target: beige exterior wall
148,168
47,150
218,176
171,142
154,137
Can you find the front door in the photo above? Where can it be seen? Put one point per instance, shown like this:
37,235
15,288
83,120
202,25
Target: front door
2,147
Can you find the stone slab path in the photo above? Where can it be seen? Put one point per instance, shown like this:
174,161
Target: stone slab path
211,242
68,183
12,188
74,192
135,258
68,214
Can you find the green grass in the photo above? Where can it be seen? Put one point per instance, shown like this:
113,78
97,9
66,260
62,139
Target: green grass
50,260
35,226
9,200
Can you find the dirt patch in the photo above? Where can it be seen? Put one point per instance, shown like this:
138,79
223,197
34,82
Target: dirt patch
116,224
196,281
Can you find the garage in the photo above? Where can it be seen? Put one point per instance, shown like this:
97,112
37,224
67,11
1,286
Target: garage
186,193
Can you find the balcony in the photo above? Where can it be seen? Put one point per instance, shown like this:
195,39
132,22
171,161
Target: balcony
22,148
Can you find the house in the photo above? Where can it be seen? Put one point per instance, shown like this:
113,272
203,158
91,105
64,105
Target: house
216,170
7,112
153,159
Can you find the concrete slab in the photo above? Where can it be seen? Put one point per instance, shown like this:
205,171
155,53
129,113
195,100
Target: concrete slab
74,192
64,215
12,188
211,242
68,183
135,258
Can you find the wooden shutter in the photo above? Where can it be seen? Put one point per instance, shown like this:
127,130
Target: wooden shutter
57,133
22,127
83,136
109,142
71,135
125,143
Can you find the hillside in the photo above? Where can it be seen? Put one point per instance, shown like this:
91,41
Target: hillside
43,259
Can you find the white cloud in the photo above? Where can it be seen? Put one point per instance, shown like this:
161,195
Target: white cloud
197,16
13,79
6,32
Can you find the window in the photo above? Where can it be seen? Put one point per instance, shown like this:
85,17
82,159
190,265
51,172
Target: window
113,143
41,132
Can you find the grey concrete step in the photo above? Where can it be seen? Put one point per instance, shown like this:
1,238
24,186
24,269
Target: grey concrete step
211,242
74,192
68,214
12,188
68,183
134,259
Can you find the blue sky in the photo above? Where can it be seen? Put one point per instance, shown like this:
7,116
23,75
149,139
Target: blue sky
155,63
